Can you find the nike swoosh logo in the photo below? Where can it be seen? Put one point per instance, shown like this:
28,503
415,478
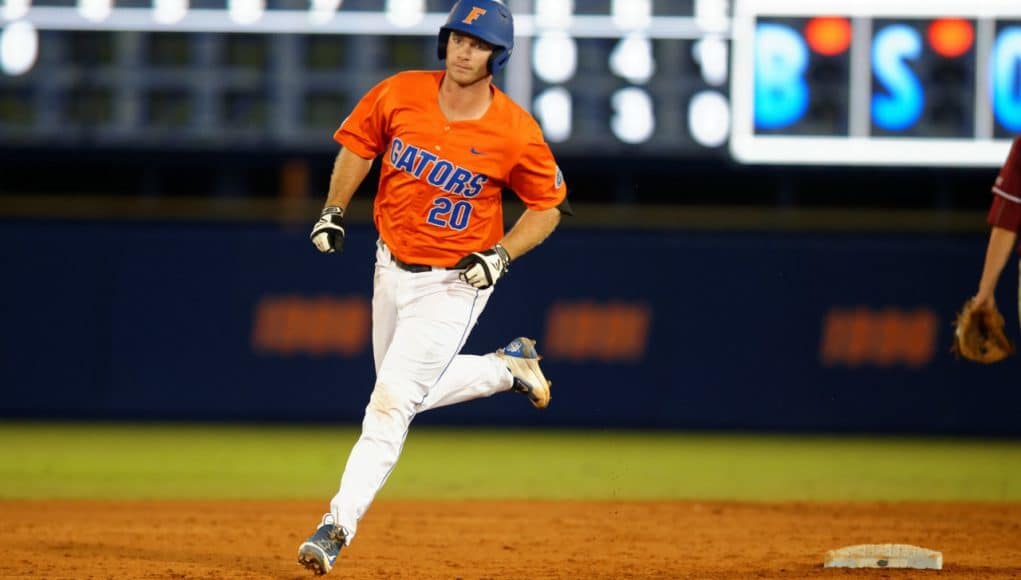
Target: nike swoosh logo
475,151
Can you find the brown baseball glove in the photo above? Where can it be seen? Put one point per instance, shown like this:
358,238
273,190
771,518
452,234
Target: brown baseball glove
979,335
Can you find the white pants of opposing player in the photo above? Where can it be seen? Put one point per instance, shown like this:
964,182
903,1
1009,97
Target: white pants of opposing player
420,322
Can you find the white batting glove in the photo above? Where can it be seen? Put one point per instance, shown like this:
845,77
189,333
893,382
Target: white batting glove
483,269
328,233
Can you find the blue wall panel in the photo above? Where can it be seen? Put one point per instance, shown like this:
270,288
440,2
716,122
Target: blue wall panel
155,321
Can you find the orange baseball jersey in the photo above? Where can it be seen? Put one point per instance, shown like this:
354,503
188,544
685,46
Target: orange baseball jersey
1005,211
441,182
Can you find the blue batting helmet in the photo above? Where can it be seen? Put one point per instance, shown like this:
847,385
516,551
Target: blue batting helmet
488,20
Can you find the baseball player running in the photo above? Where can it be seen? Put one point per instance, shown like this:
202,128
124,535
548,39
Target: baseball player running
1005,218
450,142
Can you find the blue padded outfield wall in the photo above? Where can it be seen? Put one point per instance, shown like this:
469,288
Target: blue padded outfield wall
672,329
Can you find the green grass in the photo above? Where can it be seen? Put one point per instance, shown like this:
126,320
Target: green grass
40,460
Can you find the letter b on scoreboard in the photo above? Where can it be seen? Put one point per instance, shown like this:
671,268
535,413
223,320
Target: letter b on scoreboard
802,76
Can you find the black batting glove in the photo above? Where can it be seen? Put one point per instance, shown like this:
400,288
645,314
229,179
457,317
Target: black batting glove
483,269
328,233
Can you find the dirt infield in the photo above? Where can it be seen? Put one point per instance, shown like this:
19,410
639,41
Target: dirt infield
508,539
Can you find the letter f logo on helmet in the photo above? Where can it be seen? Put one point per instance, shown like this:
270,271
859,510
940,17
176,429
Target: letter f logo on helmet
474,15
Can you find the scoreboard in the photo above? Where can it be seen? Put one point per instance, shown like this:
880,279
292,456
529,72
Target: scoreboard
630,77
838,82
876,82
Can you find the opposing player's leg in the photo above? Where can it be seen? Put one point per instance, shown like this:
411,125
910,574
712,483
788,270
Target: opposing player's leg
516,366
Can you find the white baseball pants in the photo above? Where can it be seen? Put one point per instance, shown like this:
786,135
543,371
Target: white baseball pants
420,322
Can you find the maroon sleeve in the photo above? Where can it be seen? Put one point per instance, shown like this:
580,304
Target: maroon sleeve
1005,214
1008,182
1005,211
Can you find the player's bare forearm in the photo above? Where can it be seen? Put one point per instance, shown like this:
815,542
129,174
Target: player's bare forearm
530,230
1001,244
349,170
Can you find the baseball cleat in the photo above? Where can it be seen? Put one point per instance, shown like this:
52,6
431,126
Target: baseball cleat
319,552
523,362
